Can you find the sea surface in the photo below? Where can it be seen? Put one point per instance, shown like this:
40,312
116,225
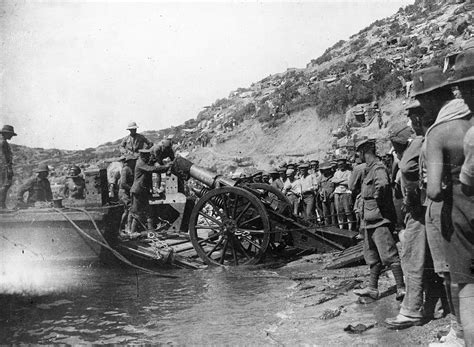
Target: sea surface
76,303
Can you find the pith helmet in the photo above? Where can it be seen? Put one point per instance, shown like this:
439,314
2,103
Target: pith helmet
463,67
8,129
42,168
273,172
290,172
303,166
132,125
428,79
144,151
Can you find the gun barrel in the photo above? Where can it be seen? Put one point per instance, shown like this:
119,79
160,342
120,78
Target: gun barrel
185,169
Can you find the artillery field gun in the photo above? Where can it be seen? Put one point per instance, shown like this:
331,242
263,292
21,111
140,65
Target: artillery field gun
234,223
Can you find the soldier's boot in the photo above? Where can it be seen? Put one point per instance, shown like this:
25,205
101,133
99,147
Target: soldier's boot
398,275
371,290
128,225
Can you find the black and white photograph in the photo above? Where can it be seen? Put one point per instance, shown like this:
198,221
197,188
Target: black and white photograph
237,172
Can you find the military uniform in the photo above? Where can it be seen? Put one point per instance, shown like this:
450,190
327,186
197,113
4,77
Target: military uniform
125,185
132,144
38,190
141,190
6,170
378,213
326,192
6,163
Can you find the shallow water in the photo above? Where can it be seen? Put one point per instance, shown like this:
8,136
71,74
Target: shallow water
73,303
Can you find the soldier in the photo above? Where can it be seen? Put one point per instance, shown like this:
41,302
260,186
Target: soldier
276,180
445,157
292,189
132,143
309,186
378,215
75,185
314,165
327,194
355,186
265,177
161,152
125,185
6,164
423,287
282,173
141,190
342,195
38,187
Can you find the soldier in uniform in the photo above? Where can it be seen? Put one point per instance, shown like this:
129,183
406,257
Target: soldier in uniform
6,164
326,193
292,189
75,185
309,187
38,187
125,185
141,189
265,177
160,153
342,195
378,215
314,165
132,143
276,180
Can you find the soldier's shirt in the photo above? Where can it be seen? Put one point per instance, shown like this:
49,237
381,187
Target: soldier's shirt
278,184
6,155
159,152
308,184
341,179
38,190
410,172
126,179
132,144
292,187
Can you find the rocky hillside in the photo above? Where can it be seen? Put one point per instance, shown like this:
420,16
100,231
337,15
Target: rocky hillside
356,88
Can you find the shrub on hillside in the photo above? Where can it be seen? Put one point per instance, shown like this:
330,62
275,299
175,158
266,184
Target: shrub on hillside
357,44
244,112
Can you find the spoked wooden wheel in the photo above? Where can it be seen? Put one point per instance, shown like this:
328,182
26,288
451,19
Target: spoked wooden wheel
229,226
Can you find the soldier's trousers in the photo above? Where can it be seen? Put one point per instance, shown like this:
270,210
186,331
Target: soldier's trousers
329,212
423,287
343,203
308,205
379,246
5,184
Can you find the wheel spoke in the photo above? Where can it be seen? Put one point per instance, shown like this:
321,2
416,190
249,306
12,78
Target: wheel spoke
242,212
234,210
234,254
224,249
215,247
241,249
251,220
210,237
253,243
205,215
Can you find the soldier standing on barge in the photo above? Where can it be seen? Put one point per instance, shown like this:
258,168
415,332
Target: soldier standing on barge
6,164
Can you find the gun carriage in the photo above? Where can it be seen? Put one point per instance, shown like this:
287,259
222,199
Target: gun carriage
237,223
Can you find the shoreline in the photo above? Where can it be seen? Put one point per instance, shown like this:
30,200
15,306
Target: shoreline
321,304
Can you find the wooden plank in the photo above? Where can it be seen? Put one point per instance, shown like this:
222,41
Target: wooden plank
350,256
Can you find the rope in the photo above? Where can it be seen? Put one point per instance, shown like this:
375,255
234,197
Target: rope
105,243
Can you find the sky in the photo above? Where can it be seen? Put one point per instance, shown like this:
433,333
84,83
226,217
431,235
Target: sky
74,74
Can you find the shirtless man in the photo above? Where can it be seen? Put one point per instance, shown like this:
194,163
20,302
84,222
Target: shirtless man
445,154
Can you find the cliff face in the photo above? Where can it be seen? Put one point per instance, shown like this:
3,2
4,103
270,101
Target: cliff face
294,114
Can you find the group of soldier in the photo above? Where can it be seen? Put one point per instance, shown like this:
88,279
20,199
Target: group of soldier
437,242
37,187
436,141
318,193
